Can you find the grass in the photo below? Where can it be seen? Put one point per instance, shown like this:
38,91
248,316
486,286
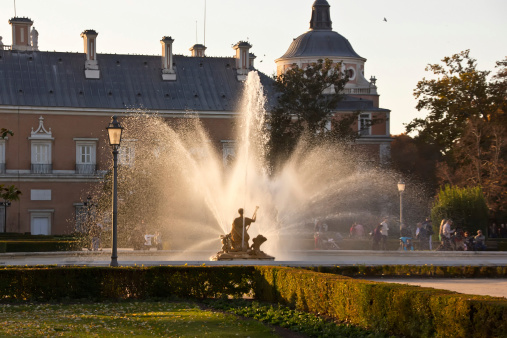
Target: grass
139,319
296,321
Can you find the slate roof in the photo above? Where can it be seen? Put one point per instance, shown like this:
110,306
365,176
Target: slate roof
56,79
320,43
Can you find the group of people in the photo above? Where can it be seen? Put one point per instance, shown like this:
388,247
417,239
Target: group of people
454,239
497,231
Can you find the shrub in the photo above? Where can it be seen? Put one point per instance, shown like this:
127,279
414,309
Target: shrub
465,206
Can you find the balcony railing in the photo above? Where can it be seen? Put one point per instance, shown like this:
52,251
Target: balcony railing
359,91
86,169
42,168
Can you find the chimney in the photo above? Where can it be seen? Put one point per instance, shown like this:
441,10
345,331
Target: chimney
242,59
21,33
198,50
251,57
168,73
90,48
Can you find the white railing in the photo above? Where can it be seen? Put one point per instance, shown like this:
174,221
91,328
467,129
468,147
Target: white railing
360,91
42,168
85,169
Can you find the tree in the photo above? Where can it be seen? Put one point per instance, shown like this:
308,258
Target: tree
8,193
303,105
305,109
459,92
465,206
416,159
467,124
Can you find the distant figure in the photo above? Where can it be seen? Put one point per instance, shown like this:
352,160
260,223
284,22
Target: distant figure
429,231
1,44
384,231
237,230
376,237
158,240
95,231
480,241
359,231
385,19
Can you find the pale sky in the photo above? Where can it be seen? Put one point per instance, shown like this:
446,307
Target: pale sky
416,32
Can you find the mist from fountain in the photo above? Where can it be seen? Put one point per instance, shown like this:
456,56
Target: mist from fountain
182,185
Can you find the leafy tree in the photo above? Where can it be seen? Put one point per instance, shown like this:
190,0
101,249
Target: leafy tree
305,109
467,124
465,206
459,92
303,105
416,159
8,193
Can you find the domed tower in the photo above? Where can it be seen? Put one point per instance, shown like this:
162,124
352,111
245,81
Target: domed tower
321,42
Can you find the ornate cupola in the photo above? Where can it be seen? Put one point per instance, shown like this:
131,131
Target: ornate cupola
198,50
321,19
21,39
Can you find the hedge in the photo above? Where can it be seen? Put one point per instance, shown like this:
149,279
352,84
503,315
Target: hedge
415,271
39,245
104,283
384,307
399,309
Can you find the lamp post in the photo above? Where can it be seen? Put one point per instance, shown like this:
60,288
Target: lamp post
401,189
5,204
114,131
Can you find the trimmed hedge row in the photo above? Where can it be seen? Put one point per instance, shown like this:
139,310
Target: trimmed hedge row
39,245
398,309
415,271
104,283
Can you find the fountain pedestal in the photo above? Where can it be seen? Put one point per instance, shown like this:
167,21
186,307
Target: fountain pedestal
252,253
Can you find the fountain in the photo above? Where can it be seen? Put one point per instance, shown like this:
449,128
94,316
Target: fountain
181,185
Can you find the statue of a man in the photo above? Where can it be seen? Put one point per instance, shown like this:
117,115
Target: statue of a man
237,230
34,37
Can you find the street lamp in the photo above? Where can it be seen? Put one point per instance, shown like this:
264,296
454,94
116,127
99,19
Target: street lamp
401,189
5,204
114,131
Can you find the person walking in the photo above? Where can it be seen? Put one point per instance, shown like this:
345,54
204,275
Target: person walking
384,231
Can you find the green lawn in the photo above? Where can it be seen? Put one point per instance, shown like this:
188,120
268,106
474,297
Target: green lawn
140,319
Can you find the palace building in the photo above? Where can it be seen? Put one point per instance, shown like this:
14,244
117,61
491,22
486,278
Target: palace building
58,105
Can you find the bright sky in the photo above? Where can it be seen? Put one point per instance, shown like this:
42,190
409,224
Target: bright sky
416,32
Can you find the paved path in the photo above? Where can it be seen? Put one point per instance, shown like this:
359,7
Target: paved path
292,258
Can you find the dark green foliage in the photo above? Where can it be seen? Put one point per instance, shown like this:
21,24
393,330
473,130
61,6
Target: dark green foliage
465,206
97,283
459,92
297,321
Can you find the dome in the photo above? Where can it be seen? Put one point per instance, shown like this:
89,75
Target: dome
320,43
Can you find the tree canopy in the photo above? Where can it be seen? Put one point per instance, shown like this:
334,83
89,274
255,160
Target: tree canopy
467,124
459,92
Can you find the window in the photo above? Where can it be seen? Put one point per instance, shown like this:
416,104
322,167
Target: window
228,152
41,141
86,155
365,124
41,157
127,152
40,222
